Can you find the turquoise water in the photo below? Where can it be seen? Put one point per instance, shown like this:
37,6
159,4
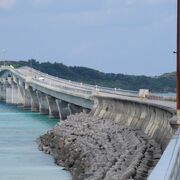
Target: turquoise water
20,158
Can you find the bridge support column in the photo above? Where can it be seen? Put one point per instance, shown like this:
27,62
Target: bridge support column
26,98
86,111
2,92
34,100
8,95
20,93
20,97
15,79
63,109
73,109
53,109
11,92
8,91
24,95
15,97
43,105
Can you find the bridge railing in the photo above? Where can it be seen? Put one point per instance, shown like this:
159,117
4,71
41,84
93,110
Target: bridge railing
175,174
61,88
84,85
11,69
117,91
168,167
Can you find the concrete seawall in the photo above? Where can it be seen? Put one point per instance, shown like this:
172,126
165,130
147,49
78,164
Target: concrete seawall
153,120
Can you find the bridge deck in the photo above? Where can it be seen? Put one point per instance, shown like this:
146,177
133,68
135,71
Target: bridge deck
90,89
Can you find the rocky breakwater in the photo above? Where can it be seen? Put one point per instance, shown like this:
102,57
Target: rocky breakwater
93,148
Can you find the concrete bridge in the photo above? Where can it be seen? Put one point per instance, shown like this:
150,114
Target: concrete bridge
29,88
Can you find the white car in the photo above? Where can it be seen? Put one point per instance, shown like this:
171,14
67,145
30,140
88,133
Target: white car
41,78
12,66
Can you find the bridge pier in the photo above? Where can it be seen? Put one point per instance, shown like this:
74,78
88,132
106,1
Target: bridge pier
43,105
20,96
17,92
8,95
15,98
11,92
53,109
73,109
34,100
26,98
2,92
63,109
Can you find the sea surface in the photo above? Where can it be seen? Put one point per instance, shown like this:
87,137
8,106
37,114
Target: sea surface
169,94
20,158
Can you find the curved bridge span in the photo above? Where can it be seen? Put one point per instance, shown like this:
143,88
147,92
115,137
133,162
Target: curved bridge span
59,98
29,88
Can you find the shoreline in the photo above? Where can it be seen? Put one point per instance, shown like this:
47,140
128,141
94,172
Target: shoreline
93,148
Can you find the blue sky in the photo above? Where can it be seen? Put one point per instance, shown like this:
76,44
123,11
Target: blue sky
120,36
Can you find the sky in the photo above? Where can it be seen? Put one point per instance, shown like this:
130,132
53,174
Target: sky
119,36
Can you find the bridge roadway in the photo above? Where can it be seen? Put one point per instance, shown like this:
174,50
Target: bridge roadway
87,90
56,97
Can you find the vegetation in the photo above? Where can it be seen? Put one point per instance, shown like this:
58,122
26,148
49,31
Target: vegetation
163,83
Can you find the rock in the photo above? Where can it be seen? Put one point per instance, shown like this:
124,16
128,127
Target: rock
100,149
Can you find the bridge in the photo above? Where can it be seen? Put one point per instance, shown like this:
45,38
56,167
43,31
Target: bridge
59,98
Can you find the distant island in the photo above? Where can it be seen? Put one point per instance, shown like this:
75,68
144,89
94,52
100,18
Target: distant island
160,84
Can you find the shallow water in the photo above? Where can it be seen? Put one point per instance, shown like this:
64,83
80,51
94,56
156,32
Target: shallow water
20,158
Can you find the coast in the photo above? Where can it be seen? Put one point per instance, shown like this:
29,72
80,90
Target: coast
93,148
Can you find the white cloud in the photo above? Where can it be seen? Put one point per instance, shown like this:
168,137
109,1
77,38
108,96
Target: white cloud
6,4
